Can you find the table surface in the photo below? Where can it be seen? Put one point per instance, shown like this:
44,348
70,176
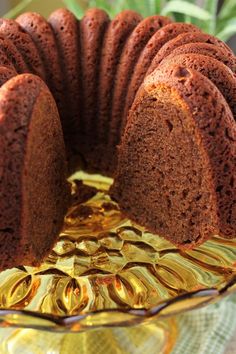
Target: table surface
231,348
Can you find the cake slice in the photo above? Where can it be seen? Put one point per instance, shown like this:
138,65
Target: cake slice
33,188
177,159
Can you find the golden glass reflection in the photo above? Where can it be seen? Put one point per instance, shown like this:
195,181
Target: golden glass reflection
102,261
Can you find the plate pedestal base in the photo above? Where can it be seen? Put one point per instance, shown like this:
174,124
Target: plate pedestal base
152,338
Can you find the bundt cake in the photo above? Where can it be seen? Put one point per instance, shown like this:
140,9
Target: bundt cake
146,101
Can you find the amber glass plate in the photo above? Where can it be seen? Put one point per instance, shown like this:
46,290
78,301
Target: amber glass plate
107,271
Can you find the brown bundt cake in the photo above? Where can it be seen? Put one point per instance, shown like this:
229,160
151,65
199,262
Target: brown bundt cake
33,188
176,170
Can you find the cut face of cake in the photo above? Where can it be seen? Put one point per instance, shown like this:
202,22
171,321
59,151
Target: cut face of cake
33,187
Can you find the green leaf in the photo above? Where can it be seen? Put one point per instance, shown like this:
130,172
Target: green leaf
17,10
159,4
78,8
228,10
133,4
181,10
139,6
186,8
178,17
119,6
228,31
155,6
211,6
152,8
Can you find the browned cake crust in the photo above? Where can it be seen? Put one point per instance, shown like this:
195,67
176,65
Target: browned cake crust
176,172
113,43
42,35
12,30
65,27
216,71
209,50
5,60
6,74
185,38
93,27
14,57
32,172
134,46
156,42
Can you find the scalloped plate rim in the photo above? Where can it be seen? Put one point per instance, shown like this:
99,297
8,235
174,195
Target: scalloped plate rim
64,323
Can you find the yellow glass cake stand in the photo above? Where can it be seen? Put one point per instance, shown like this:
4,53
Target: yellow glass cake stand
106,275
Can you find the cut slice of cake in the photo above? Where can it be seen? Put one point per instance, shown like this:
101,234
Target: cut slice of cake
33,188
177,159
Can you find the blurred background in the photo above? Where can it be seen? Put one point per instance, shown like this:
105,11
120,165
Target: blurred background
42,6
217,17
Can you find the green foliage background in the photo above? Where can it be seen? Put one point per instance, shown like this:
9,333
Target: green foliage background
220,22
